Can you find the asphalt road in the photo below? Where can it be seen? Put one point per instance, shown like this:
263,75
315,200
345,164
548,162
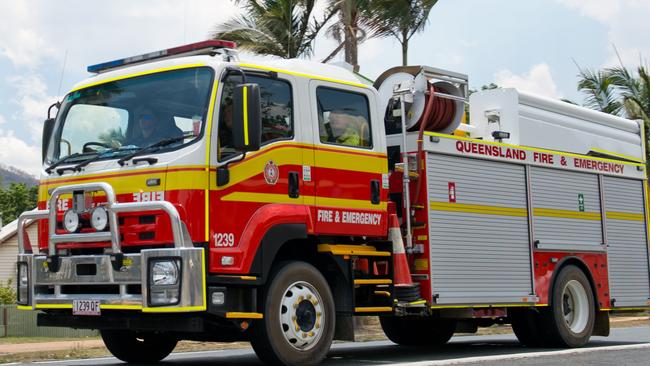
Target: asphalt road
625,346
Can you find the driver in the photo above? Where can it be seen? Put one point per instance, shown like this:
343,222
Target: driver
150,130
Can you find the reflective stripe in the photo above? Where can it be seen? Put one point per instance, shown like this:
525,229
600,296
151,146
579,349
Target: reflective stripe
245,97
316,77
479,209
135,74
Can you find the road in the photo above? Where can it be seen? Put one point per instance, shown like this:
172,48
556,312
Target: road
626,346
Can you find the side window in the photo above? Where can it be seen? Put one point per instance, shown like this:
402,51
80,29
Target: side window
277,111
343,117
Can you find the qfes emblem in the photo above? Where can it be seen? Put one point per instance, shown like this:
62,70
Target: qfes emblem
271,173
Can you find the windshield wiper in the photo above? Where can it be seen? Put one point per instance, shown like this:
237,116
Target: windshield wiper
143,150
100,155
64,160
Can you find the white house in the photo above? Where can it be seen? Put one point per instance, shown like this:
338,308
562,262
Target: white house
9,249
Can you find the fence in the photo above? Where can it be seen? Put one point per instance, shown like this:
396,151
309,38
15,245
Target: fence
20,323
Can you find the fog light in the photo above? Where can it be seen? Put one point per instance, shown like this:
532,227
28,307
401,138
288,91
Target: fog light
164,272
227,260
71,221
167,296
99,218
218,298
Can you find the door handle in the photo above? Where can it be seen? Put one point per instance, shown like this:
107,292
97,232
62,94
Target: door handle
374,192
294,184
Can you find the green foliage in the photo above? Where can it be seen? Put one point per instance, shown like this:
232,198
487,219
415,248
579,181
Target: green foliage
7,293
114,137
284,28
619,91
400,19
16,199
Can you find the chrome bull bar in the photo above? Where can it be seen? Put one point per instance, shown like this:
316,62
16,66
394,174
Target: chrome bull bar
113,268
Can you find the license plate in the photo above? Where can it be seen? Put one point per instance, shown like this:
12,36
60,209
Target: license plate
85,307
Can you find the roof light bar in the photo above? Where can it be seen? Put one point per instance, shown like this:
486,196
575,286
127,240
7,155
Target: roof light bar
198,48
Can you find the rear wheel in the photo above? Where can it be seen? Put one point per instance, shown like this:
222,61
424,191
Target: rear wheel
298,323
133,347
417,331
571,316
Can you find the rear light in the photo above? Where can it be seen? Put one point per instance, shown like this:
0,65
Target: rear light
198,48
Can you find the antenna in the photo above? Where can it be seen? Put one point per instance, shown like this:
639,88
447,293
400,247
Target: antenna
65,60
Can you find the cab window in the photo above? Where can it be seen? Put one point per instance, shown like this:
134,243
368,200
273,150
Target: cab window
343,117
277,111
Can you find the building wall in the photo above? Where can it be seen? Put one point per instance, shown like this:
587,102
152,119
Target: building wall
8,252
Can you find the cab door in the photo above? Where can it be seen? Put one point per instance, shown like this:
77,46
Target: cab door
268,176
350,169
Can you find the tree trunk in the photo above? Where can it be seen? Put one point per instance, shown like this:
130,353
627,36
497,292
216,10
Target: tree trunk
405,47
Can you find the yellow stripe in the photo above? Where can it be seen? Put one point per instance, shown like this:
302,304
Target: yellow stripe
362,281
283,198
479,209
120,307
53,306
373,309
135,74
316,77
382,293
622,156
23,307
208,146
173,310
357,250
566,214
461,138
625,216
240,315
245,92
624,308
483,306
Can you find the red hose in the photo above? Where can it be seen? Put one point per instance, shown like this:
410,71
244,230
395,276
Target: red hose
438,114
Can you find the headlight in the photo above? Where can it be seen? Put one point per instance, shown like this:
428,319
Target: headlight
22,285
22,275
164,273
99,218
71,221
164,282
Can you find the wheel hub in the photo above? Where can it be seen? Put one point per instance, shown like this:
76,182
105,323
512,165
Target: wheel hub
575,306
301,315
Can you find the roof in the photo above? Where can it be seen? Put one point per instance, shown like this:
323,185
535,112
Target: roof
11,229
290,66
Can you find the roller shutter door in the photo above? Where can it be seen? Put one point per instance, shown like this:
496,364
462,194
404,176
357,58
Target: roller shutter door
479,244
627,242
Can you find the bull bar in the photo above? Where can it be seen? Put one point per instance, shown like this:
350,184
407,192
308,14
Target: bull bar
49,275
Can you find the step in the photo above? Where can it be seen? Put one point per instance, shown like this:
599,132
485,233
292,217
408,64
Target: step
353,250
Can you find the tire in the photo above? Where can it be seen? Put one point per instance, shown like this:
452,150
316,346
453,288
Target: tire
131,347
569,321
527,326
299,317
417,331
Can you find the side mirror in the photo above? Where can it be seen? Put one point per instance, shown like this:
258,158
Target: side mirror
247,118
48,126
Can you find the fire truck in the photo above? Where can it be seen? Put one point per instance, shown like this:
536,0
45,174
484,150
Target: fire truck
188,195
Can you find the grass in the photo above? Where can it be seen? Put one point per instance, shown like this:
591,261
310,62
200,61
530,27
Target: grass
16,340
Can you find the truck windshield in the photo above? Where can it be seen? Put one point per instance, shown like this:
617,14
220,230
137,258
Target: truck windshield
118,117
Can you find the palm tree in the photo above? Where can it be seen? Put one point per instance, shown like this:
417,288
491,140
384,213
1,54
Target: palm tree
397,18
620,92
284,28
347,30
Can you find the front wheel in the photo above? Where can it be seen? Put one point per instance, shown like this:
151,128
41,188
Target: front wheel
298,323
134,347
571,316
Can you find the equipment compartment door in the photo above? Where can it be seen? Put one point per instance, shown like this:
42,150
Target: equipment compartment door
478,229
627,242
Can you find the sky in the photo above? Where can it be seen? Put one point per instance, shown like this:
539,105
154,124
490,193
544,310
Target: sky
533,45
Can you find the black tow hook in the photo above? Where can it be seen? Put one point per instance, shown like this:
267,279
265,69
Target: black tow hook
117,261
53,263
